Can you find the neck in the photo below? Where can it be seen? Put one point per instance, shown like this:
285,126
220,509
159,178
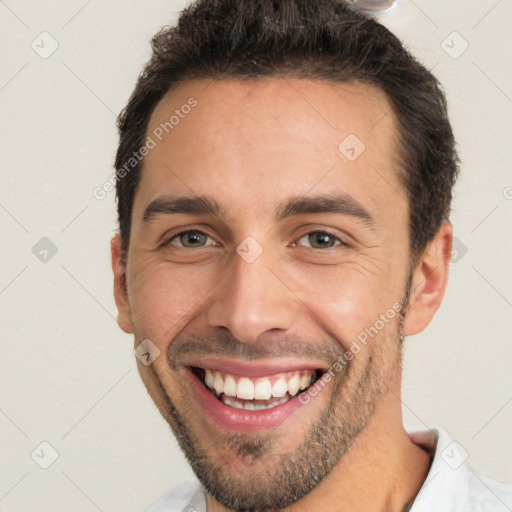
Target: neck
381,472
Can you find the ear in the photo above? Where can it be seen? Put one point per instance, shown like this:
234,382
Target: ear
120,291
429,280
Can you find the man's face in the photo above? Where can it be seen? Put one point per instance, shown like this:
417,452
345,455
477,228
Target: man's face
267,291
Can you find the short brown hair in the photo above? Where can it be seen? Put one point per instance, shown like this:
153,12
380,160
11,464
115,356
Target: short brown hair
324,40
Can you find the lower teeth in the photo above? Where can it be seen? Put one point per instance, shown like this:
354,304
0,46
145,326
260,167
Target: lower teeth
251,406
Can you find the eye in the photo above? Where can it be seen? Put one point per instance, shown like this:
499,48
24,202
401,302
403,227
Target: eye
320,240
189,239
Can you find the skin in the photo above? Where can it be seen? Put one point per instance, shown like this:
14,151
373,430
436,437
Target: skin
250,145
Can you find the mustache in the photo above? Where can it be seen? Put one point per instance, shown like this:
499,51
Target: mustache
226,345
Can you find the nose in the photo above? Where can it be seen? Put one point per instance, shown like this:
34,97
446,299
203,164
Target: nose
253,299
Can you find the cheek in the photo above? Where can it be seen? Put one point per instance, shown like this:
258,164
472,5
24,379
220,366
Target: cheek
162,298
344,300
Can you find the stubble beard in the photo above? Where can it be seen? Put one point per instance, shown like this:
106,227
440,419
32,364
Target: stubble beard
274,480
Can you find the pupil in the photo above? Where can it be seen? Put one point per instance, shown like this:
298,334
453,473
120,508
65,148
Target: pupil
322,239
191,238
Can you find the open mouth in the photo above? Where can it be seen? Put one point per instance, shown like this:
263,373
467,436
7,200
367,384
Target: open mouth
256,393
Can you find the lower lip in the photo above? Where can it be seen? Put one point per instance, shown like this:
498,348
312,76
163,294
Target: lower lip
240,419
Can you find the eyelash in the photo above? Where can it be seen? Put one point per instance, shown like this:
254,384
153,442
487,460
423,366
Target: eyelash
167,242
176,235
323,232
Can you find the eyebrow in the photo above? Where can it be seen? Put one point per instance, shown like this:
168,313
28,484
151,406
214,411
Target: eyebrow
331,203
168,205
300,205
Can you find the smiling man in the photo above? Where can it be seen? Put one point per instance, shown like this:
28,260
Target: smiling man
284,179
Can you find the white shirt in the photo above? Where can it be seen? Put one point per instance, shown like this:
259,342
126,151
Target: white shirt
451,485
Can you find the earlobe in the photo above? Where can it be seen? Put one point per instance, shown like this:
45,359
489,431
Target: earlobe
120,292
429,280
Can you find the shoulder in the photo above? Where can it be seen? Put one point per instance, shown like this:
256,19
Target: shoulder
186,497
451,484
488,495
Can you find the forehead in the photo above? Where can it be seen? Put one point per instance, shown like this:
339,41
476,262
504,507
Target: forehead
267,139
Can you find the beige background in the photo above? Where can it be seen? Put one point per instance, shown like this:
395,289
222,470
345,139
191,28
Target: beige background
68,374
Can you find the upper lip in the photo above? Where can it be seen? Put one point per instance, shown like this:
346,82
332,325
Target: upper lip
258,368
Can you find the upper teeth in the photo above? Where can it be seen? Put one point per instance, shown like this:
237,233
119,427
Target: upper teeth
260,388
